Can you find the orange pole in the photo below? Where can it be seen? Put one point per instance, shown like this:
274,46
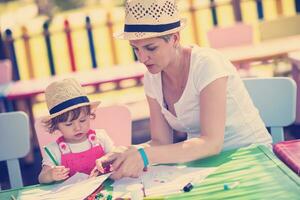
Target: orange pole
27,48
194,21
279,7
109,24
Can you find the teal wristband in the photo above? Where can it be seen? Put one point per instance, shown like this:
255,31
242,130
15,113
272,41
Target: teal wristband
144,156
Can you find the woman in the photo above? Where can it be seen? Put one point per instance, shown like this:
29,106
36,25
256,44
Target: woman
198,103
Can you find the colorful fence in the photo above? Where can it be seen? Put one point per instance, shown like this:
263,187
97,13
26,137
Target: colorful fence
73,46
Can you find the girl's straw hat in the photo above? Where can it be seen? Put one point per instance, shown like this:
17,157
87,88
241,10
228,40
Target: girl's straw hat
66,95
150,18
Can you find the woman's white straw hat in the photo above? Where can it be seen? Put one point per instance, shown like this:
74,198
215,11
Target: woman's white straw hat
150,18
66,95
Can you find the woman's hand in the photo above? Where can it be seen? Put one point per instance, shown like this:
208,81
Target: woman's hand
125,162
105,161
59,173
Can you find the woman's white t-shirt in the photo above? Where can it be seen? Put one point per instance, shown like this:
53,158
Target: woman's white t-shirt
101,135
243,124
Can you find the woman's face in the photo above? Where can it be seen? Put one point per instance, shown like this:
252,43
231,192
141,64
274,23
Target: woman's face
155,53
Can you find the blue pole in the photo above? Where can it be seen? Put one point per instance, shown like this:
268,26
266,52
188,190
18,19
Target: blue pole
297,3
3,55
214,12
91,41
49,48
259,8
12,54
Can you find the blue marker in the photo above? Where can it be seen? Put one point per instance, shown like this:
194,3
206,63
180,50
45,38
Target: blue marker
188,187
229,186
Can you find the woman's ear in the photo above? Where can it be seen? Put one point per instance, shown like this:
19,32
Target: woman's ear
93,112
176,39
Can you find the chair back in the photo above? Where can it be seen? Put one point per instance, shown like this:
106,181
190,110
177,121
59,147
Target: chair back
236,35
280,27
275,99
14,143
116,120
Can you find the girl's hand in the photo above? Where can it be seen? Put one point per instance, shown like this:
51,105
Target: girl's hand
59,173
95,172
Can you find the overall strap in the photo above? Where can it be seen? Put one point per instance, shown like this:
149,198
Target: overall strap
92,138
63,146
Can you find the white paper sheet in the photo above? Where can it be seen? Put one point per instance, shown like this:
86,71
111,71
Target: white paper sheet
162,180
76,178
76,187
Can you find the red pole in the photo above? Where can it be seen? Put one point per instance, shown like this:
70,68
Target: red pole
70,45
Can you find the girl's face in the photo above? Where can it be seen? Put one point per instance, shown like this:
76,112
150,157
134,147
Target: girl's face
155,53
75,131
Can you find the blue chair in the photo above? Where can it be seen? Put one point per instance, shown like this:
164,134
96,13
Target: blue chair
275,99
14,143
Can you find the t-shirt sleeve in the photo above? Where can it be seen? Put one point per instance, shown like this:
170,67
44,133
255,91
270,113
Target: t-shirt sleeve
211,67
105,140
148,86
54,150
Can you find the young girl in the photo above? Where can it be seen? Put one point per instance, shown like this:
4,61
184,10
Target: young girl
79,146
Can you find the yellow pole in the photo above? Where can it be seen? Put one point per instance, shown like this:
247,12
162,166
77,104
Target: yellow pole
192,10
26,38
109,24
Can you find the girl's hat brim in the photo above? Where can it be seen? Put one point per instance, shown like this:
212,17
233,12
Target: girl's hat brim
144,35
93,105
